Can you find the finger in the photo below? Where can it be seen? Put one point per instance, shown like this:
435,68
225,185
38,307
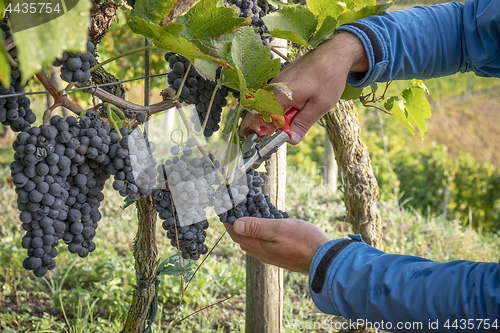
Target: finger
263,229
305,118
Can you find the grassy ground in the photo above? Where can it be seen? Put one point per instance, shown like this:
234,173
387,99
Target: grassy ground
93,294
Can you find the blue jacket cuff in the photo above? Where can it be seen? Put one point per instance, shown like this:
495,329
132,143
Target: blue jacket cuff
323,269
376,51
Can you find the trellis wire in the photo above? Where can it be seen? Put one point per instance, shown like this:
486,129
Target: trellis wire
86,87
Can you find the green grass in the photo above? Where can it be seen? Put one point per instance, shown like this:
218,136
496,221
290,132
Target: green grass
93,294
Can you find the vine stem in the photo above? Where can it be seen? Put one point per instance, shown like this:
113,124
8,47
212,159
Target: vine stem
182,84
112,121
199,310
121,55
174,322
209,109
60,97
275,50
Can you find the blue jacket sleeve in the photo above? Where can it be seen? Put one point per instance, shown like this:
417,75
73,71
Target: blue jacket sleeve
363,283
431,41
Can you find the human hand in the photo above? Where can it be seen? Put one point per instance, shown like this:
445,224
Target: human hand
287,243
318,79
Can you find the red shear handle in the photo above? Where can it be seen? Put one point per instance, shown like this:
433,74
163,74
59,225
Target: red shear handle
289,115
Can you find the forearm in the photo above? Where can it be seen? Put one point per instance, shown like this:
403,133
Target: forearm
362,282
432,41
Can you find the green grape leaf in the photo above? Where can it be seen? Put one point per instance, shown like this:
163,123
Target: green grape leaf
324,8
34,52
396,107
168,38
228,126
207,20
296,24
175,266
353,15
262,101
417,107
350,93
127,202
351,4
4,65
324,32
210,28
253,58
2,8
233,78
153,10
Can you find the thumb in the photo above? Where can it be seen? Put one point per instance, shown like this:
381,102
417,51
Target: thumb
256,228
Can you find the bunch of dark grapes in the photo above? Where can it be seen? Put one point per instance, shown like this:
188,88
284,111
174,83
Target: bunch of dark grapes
91,137
197,91
184,196
75,66
6,33
256,10
132,164
15,111
59,171
245,198
190,238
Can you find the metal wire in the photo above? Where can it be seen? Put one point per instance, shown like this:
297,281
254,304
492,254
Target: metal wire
86,87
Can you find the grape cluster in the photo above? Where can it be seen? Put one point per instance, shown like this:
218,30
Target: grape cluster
133,165
6,33
197,91
190,238
15,111
256,10
75,66
59,171
245,198
187,192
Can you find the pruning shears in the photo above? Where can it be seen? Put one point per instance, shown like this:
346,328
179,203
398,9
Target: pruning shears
257,149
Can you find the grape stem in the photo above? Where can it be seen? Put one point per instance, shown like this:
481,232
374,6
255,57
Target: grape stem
209,109
275,50
176,97
112,121
121,55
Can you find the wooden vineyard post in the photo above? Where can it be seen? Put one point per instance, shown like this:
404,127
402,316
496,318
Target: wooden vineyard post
264,284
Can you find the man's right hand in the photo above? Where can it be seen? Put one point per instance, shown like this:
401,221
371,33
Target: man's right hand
318,78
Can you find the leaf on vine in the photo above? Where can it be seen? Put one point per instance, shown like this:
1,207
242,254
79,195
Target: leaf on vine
34,52
261,100
168,38
153,10
324,32
296,24
417,107
350,93
210,27
228,126
352,4
4,65
354,15
284,88
127,202
207,20
324,8
253,58
175,266
396,107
